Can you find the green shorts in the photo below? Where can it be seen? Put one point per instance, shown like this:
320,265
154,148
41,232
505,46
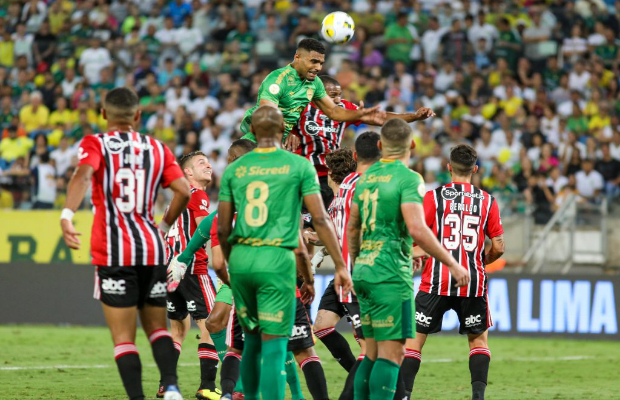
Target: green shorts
224,295
263,286
387,309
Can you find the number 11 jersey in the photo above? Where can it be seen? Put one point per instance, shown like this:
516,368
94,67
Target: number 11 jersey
460,215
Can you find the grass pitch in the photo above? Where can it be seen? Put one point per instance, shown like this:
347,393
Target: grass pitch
76,363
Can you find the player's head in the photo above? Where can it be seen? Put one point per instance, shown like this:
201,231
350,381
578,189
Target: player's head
197,168
121,105
463,159
240,147
267,122
332,87
309,58
340,163
367,148
396,138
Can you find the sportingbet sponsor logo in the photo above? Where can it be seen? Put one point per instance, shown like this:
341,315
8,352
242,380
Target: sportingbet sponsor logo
473,320
116,145
159,290
313,129
423,319
449,193
191,305
299,332
113,286
170,306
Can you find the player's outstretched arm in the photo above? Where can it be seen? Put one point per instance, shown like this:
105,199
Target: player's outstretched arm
76,190
498,246
337,113
226,213
379,117
182,194
199,239
413,214
325,229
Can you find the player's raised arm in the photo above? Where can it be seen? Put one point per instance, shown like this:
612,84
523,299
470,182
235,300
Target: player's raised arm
380,117
333,111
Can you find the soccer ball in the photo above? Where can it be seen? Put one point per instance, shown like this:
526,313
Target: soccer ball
338,27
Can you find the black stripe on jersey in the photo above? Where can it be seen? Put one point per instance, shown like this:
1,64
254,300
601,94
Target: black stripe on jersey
456,253
148,166
439,221
186,234
136,237
112,216
471,255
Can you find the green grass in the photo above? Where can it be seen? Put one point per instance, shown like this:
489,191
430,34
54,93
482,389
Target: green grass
520,368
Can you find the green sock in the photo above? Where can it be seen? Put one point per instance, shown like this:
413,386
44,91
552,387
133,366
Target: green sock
272,375
383,379
361,388
251,366
292,378
219,340
239,386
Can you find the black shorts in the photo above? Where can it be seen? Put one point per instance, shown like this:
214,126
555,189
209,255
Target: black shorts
234,333
131,286
473,312
331,302
301,336
195,295
327,195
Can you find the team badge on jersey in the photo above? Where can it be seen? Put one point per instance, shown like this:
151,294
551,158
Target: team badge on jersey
310,93
274,89
241,171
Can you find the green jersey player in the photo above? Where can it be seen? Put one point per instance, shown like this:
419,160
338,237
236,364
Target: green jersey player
266,188
291,89
388,211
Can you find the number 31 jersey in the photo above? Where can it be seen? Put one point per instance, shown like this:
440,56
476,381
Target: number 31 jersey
460,215
129,169
267,186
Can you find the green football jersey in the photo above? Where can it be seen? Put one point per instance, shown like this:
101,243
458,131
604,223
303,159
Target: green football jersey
267,186
292,94
386,248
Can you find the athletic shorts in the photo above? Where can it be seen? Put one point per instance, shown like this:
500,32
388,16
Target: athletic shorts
263,286
195,295
386,309
473,312
301,334
331,302
131,286
224,295
234,333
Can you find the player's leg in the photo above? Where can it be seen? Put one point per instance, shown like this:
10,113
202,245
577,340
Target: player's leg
292,377
353,314
361,379
218,319
330,312
230,371
117,289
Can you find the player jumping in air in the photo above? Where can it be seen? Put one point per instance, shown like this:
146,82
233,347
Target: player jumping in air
386,213
259,248
460,215
195,294
127,169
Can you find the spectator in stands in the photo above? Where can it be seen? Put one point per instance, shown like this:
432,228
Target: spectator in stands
589,182
539,194
63,156
44,177
13,147
34,115
609,168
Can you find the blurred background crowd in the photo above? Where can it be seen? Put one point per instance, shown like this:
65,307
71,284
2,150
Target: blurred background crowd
532,85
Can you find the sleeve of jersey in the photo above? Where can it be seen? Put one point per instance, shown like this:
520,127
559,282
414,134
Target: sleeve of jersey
494,223
430,210
199,239
89,152
172,171
350,106
270,90
413,189
225,191
199,203
319,89
214,240
310,180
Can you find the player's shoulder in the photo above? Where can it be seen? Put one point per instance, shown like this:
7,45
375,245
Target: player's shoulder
349,105
279,76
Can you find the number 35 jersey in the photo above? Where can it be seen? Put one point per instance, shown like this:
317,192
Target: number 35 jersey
129,169
460,215
386,248
267,187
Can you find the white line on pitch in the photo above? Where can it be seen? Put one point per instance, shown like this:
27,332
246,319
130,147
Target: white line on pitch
436,360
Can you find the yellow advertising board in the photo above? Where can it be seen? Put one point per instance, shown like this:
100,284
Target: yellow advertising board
35,236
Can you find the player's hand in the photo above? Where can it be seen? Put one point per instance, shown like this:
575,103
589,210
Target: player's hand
307,293
310,236
342,282
291,143
175,273
367,111
417,263
460,274
69,234
424,113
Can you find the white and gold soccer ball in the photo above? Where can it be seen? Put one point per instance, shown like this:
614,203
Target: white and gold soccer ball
338,27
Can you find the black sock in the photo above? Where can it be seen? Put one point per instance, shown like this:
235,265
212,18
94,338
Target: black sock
177,348
128,363
208,365
410,368
338,346
347,392
165,355
479,360
315,378
229,375
400,393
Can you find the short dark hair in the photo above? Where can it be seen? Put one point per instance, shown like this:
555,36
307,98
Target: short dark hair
186,158
396,135
463,159
328,80
121,103
340,163
246,144
310,44
366,147
44,158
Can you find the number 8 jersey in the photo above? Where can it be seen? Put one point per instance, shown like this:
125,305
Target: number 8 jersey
129,169
460,215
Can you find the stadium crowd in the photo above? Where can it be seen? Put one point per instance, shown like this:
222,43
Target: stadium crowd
533,85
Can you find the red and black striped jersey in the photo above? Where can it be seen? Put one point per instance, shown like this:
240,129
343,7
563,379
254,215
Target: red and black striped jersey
320,135
184,227
340,211
460,215
129,169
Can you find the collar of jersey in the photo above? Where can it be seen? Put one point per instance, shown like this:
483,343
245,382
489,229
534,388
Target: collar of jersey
265,149
387,160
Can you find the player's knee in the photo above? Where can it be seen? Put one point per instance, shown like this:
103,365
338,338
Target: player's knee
478,340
